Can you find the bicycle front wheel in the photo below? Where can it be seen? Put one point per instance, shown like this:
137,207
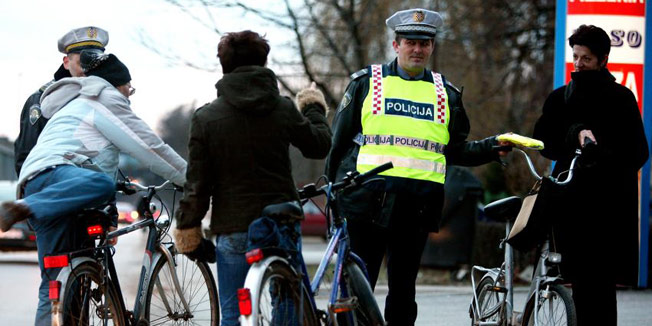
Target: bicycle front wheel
283,300
490,302
366,310
556,307
196,286
88,300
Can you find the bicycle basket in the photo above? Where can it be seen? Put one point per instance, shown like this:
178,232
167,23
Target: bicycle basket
533,222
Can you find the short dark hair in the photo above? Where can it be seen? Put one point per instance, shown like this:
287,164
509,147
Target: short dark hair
244,48
594,38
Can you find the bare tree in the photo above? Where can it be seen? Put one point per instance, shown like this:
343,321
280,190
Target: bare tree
499,51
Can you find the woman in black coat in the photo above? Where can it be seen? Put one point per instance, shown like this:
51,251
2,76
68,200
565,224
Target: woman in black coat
596,216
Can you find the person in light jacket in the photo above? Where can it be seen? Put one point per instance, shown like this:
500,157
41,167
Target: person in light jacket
74,163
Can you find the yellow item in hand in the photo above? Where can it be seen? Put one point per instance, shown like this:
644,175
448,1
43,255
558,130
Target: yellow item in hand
521,140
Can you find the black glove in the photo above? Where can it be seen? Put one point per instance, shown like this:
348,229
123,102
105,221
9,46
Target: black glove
205,251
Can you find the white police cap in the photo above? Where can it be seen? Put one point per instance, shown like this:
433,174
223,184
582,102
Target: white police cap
415,23
89,37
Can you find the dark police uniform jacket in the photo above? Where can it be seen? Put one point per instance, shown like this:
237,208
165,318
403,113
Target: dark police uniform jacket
31,125
372,201
31,121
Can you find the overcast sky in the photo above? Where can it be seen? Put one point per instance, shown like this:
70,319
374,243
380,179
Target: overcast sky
29,30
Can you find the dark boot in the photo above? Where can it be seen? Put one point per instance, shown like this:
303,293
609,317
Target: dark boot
12,212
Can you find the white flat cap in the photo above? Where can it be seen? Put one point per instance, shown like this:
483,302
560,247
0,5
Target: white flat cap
82,38
415,23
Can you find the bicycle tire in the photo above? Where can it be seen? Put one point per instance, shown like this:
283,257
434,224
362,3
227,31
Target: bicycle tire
163,305
367,312
489,303
558,308
87,302
281,292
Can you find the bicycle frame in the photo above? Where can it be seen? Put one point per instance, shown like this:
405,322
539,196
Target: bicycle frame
546,261
155,250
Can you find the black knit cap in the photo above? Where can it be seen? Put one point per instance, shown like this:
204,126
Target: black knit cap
106,66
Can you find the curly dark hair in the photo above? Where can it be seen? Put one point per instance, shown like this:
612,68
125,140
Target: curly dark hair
244,48
594,38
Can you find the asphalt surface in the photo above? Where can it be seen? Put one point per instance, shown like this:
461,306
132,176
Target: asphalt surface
438,304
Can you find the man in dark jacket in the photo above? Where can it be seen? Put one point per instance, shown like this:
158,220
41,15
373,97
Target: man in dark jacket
596,227
414,118
31,121
239,157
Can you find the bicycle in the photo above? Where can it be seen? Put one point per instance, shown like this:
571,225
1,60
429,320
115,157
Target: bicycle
548,302
277,289
172,288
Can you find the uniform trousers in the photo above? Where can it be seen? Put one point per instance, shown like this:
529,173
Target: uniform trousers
402,241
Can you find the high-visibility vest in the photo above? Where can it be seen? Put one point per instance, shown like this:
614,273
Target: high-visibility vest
405,122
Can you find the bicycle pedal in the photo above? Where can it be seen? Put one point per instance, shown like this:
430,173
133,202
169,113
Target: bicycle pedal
499,289
344,305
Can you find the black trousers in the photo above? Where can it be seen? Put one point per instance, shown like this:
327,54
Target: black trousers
403,242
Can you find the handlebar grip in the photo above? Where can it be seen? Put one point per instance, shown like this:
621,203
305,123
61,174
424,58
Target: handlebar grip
588,142
122,186
373,172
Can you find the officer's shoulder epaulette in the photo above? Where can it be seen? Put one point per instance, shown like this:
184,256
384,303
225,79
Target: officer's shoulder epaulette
359,73
449,84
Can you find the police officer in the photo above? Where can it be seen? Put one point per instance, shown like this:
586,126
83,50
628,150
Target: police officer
31,121
413,117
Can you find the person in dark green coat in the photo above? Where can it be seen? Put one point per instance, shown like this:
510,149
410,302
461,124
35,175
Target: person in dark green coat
239,157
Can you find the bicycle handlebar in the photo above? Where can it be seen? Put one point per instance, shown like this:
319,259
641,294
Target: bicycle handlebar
130,187
352,179
569,177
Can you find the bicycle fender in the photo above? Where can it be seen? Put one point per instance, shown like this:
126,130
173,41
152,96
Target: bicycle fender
57,306
252,282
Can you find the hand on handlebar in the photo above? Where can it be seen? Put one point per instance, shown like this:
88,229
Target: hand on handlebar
589,147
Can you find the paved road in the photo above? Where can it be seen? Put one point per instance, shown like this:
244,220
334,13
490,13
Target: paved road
438,305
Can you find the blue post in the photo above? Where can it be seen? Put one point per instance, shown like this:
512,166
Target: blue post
645,176
559,78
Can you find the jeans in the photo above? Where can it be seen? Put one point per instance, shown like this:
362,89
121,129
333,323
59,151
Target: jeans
53,197
232,270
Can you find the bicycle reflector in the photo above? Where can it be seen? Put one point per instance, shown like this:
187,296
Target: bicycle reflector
55,261
244,301
54,287
94,230
254,256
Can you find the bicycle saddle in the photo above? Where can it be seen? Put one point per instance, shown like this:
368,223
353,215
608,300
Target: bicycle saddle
284,212
503,210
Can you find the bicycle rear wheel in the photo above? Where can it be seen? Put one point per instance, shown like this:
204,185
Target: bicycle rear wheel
366,311
490,302
87,300
283,299
556,307
164,305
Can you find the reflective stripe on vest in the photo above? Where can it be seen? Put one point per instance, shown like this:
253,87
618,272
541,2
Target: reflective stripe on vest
405,122
404,141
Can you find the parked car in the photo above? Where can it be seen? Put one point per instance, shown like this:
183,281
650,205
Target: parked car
127,212
314,222
20,237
